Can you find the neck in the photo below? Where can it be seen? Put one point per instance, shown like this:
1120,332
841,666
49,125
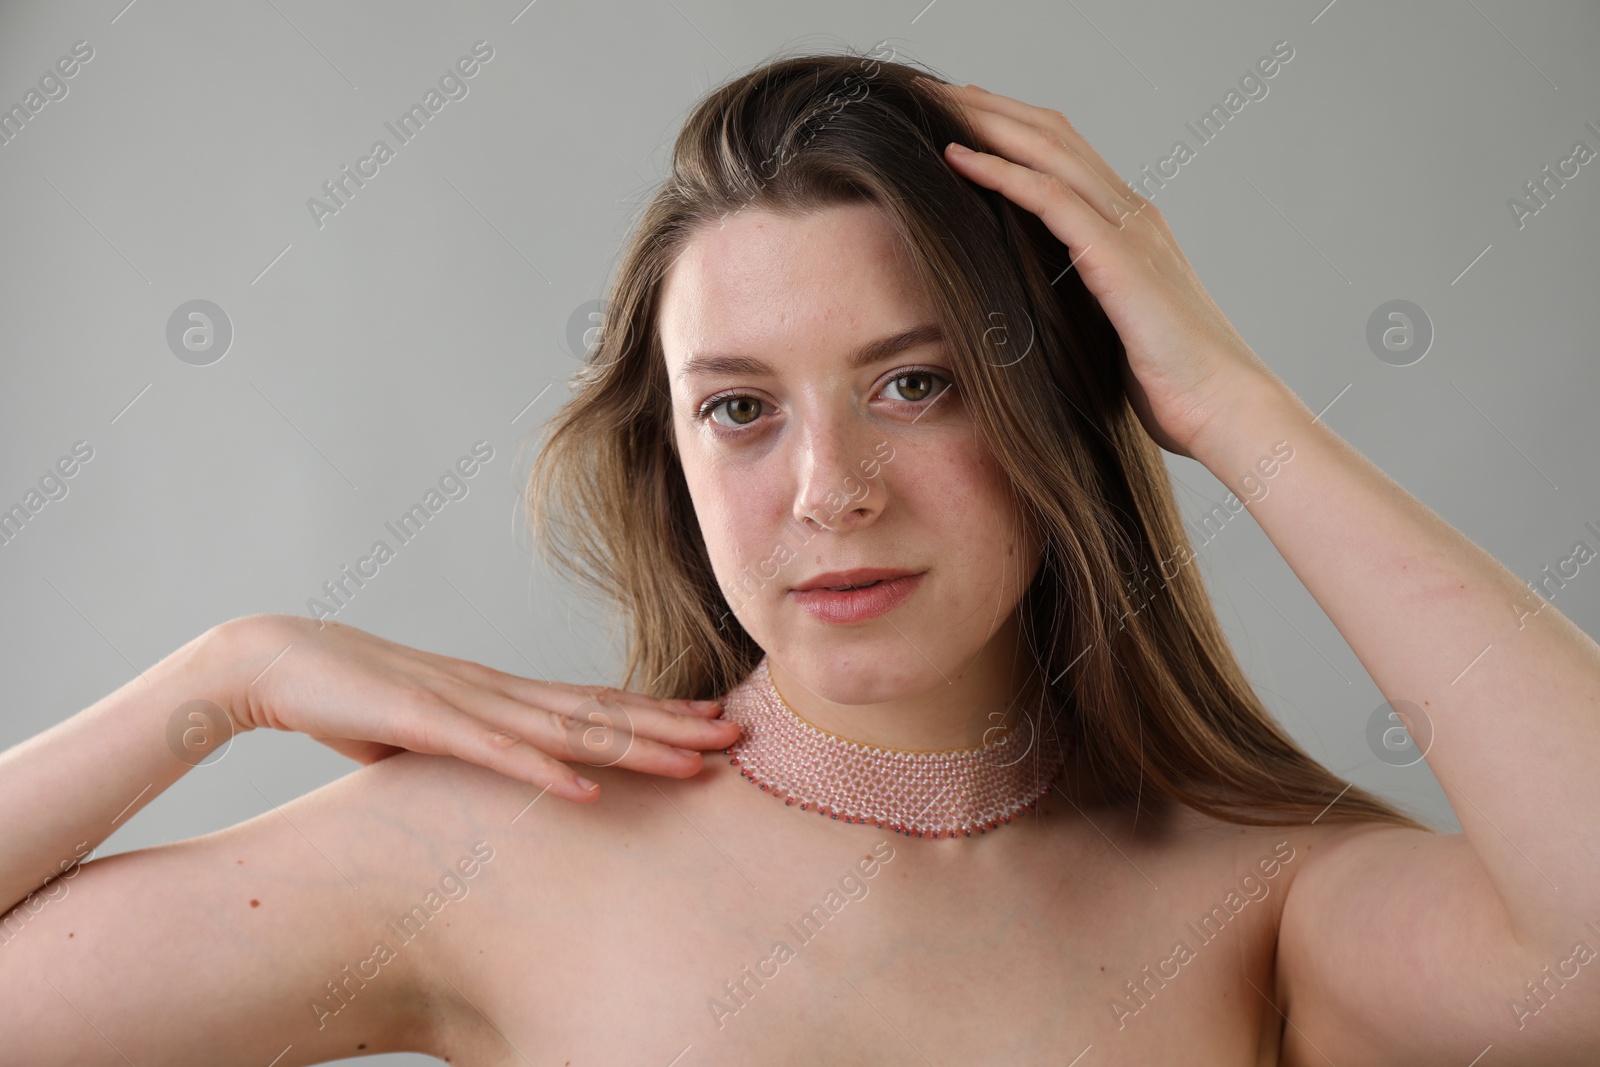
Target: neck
935,706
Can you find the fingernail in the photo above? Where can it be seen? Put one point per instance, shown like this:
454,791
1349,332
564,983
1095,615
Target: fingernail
959,149
685,751
708,704
584,783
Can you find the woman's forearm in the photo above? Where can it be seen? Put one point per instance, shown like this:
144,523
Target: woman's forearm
64,791
1510,686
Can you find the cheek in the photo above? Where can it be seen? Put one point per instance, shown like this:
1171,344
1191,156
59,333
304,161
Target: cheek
741,520
964,508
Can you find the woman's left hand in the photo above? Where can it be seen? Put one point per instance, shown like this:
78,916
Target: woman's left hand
1186,363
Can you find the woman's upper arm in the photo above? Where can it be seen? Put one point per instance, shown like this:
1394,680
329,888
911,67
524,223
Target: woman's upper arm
269,942
1395,949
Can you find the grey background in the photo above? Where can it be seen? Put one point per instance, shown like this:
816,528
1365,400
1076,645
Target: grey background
433,310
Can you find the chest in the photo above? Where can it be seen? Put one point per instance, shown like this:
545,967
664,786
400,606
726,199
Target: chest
686,954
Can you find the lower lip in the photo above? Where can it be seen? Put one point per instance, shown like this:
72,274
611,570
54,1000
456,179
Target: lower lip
857,605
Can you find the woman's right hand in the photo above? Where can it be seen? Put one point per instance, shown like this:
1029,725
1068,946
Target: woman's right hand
368,698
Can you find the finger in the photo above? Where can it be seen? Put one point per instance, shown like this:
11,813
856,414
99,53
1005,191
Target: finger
1074,222
444,730
539,692
602,731
1049,119
1035,147
649,717
670,728
644,756
700,709
640,738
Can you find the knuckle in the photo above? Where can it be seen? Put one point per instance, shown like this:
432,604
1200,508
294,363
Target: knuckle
559,725
501,740
599,694
465,667
419,732
423,697
1053,185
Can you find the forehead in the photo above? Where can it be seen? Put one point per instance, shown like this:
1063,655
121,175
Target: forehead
759,280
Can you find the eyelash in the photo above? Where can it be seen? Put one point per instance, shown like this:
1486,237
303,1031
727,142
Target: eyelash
713,402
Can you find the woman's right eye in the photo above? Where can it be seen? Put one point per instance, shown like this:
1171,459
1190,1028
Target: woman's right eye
743,409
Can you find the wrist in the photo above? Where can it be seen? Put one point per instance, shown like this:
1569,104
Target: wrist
224,660
1256,413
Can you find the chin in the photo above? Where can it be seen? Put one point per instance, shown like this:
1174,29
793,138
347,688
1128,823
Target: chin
857,668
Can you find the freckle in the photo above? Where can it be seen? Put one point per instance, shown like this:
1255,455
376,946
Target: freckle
361,1046
71,934
238,861
255,903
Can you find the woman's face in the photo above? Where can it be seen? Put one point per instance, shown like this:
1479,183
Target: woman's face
809,462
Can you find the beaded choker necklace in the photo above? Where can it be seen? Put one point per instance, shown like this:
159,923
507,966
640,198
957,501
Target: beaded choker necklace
921,794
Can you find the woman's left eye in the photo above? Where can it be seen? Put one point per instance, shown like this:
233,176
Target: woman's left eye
918,376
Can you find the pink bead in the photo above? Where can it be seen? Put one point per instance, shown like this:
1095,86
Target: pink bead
920,794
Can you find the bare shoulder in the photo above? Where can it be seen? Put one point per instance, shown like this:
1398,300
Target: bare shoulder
1183,841
1349,865
449,800
510,869
1362,876
303,934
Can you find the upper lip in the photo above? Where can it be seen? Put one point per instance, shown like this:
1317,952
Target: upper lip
859,576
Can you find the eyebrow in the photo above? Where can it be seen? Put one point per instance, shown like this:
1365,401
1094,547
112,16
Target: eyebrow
865,356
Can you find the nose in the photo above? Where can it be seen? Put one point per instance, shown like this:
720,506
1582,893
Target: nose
833,491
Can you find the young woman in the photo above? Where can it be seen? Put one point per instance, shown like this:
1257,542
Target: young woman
869,449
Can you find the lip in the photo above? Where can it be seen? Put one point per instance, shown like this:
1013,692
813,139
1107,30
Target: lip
857,576
858,605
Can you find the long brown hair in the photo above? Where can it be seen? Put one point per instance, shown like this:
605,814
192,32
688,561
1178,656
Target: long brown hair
1146,685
